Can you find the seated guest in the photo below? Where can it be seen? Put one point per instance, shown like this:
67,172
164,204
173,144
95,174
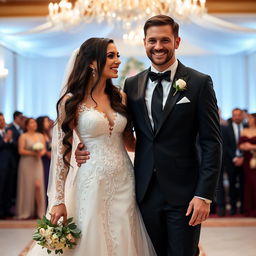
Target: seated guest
31,190
248,145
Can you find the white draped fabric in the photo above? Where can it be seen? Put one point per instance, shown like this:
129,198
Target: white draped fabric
36,55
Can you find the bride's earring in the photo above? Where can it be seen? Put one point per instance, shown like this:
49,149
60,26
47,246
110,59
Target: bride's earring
93,72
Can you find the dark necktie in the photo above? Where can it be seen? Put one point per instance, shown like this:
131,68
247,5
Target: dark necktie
238,151
157,97
238,132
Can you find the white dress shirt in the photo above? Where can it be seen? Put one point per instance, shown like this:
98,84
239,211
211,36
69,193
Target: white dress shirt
2,132
237,135
166,88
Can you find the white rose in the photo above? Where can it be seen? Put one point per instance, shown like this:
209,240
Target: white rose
42,232
48,232
49,241
50,229
181,83
55,238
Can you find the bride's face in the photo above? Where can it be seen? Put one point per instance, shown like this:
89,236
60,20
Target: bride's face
112,62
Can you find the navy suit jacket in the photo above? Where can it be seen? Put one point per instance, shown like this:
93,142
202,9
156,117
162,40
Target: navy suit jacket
6,154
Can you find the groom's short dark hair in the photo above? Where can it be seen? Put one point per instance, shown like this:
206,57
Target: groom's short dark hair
162,20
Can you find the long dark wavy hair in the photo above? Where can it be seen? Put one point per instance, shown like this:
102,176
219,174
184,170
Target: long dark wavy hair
40,125
93,49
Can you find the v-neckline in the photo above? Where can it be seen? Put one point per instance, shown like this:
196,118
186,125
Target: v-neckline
111,123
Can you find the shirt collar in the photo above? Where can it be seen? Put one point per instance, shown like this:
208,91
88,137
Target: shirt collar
171,68
16,126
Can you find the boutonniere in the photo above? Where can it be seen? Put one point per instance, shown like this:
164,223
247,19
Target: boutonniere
179,85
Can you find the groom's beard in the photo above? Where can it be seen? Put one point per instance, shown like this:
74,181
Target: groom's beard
168,56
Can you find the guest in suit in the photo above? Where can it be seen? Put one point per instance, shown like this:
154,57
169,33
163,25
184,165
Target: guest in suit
234,159
17,125
6,166
16,128
170,105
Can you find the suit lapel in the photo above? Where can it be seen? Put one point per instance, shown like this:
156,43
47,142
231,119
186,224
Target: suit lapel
142,82
181,73
232,132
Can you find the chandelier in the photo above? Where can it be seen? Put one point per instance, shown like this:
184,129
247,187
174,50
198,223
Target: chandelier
125,13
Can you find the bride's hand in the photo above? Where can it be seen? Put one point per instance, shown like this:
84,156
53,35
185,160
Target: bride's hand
57,212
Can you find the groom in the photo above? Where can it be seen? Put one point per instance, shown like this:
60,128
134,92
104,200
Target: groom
173,107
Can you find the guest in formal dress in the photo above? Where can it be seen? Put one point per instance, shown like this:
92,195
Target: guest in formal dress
43,127
31,190
17,130
233,159
6,166
248,145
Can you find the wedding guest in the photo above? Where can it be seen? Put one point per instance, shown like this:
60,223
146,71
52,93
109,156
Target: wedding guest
17,130
6,160
43,126
31,147
233,159
248,145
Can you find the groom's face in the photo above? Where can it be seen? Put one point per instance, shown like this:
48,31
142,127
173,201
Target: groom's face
160,44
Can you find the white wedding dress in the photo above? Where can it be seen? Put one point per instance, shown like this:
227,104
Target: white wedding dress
103,200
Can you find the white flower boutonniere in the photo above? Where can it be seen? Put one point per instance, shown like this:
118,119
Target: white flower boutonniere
179,85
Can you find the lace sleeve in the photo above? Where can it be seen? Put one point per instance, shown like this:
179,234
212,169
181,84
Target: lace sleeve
61,168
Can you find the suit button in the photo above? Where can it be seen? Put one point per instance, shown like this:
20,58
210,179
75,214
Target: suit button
154,170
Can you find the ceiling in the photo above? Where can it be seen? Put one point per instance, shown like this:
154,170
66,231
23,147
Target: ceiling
17,8
21,24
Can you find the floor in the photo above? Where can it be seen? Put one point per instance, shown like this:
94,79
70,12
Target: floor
220,237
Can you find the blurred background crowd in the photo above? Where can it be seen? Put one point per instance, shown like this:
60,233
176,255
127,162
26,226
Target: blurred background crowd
25,154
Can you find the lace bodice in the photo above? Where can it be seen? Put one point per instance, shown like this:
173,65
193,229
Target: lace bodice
99,136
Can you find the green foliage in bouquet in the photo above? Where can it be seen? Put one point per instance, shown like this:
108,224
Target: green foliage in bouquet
58,237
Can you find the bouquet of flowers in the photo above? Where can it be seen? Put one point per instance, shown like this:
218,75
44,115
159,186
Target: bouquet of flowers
58,237
38,146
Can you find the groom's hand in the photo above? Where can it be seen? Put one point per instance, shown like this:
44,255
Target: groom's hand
200,211
81,154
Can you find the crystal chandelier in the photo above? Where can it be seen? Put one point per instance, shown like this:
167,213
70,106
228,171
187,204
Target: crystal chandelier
127,13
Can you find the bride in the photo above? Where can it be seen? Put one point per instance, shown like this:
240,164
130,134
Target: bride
100,194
